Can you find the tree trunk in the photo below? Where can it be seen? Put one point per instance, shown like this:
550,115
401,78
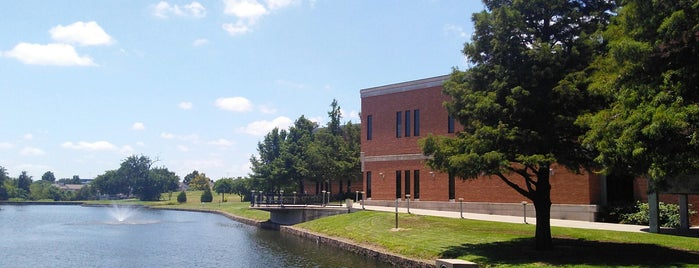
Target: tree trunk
542,205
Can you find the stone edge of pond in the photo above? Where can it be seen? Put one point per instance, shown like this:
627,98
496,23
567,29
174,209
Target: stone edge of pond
382,256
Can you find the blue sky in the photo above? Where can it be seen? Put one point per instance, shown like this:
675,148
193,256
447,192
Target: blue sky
196,84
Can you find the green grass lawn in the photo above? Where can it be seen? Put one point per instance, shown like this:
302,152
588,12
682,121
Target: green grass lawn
506,244
486,243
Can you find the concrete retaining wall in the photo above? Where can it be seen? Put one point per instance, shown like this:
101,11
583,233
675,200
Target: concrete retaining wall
558,211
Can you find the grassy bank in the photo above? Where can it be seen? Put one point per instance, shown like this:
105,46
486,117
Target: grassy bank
487,243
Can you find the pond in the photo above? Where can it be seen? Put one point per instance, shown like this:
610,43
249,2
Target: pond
76,236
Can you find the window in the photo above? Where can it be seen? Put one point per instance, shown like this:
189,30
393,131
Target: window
368,184
369,127
450,124
416,122
399,124
407,182
398,181
407,123
416,184
452,186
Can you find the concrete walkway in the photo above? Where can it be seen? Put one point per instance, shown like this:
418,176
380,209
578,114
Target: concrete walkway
512,219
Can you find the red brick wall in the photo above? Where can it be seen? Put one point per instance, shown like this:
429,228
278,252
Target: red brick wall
567,188
383,108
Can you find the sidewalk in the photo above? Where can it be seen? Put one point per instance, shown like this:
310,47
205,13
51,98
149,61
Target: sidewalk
512,219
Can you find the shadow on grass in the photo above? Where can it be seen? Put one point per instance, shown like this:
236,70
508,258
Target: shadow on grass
573,252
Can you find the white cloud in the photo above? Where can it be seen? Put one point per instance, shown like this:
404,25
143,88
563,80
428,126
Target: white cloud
51,54
454,29
247,9
236,104
239,27
138,126
127,149
81,33
277,4
194,138
200,42
31,151
182,148
28,136
265,109
194,9
6,145
222,143
167,136
260,128
90,146
185,105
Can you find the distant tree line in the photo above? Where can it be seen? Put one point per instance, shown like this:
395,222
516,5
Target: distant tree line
24,188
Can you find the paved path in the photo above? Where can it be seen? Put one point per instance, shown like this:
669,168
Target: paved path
513,219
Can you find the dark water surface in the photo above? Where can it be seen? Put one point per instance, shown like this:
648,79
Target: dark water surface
75,236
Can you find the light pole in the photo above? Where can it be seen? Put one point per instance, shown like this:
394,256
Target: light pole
252,198
260,197
461,207
323,198
524,211
407,197
397,212
362,199
281,197
294,197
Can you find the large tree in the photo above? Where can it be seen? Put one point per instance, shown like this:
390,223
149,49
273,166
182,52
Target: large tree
651,79
48,176
224,186
518,102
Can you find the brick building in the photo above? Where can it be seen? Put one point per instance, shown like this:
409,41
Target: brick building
396,116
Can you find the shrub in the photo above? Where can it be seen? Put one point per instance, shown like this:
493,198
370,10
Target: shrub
207,196
669,215
182,197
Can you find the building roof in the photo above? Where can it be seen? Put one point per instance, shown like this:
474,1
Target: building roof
404,86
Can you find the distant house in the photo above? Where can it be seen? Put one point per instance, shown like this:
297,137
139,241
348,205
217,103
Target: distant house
69,187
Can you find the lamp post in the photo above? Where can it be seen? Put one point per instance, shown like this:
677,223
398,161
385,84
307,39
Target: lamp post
397,212
252,198
322,202
260,197
407,197
294,197
461,207
281,198
362,199
524,211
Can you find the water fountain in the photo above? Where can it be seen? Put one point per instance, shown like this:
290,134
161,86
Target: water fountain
123,214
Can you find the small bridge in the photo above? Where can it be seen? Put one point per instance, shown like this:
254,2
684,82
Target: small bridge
293,214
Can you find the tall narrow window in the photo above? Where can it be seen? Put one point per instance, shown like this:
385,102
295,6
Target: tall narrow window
450,124
407,123
369,126
398,182
416,184
407,182
368,184
452,187
399,124
341,191
416,122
